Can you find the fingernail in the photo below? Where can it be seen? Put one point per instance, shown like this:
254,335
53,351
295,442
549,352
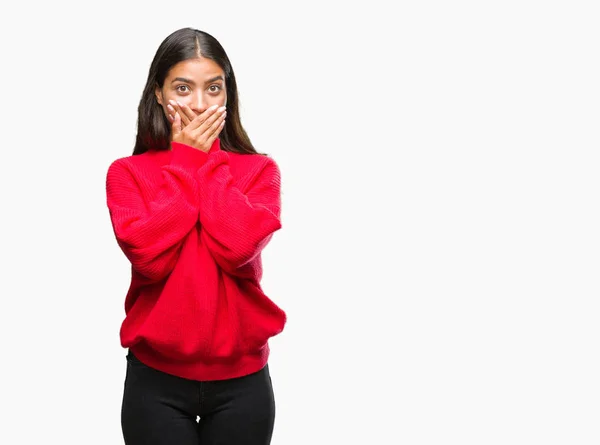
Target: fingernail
222,109
172,102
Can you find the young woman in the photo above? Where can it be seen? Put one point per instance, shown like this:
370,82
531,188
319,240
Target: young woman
191,209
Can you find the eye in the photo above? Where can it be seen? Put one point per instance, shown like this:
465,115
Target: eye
182,88
215,88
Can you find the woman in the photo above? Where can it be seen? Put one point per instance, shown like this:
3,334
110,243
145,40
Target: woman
192,209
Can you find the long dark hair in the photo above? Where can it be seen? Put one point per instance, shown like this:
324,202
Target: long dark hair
154,130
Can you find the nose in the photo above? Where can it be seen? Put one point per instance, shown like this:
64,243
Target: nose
198,104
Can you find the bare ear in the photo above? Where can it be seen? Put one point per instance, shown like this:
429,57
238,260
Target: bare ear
158,95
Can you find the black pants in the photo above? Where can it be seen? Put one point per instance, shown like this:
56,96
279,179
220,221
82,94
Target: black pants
161,409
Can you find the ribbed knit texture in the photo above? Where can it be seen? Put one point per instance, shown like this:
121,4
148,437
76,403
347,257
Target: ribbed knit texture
193,225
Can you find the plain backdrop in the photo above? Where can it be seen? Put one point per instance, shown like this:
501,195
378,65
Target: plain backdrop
440,250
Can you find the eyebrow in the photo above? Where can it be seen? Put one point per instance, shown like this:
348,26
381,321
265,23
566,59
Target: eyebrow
191,82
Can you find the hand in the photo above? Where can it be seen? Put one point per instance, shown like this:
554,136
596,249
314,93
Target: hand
186,113
196,130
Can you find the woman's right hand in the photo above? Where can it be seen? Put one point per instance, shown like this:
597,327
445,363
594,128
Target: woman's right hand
201,131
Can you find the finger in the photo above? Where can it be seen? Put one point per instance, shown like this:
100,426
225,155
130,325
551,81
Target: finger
219,129
170,113
187,115
202,118
214,119
173,108
215,129
176,126
216,134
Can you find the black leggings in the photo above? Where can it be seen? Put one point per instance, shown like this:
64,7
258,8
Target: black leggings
161,409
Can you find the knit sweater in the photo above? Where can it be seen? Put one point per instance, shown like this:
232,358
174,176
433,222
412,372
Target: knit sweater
193,225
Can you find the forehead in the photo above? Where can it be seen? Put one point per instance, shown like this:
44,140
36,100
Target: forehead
197,69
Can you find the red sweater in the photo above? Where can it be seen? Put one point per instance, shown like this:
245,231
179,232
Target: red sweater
193,225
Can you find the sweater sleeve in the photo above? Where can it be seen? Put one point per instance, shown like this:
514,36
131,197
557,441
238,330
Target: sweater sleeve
236,226
151,217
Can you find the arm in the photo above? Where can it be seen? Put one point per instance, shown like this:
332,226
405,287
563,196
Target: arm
151,218
236,226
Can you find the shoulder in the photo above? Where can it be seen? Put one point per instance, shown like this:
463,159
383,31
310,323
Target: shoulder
118,168
141,161
117,165
253,164
133,168
250,170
